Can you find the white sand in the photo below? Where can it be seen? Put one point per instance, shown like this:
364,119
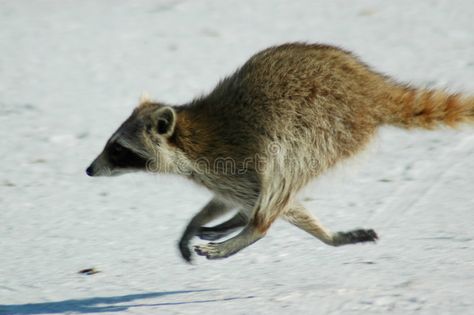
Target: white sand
71,72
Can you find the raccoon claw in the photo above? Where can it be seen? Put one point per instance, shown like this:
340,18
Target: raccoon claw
210,250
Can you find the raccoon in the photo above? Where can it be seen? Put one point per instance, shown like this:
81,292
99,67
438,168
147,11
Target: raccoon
286,116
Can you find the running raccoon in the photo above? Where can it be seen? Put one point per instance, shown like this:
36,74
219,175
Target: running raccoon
283,118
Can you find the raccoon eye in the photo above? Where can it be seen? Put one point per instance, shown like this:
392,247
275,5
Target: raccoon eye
116,149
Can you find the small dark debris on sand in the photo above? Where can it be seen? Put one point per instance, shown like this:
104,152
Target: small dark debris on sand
88,271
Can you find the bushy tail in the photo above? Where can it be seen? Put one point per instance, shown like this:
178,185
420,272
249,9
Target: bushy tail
423,108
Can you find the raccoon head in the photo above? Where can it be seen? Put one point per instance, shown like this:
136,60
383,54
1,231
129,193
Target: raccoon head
139,144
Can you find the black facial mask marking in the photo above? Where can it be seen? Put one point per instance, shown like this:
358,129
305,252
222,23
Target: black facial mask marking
122,157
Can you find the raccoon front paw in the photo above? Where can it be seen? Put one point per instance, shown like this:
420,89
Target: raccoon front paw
185,251
210,250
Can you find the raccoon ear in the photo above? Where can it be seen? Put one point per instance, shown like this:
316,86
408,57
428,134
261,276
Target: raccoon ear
164,120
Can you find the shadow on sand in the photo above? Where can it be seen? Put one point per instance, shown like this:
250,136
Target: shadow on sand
103,304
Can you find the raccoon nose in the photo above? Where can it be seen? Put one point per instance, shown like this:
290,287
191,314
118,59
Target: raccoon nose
89,171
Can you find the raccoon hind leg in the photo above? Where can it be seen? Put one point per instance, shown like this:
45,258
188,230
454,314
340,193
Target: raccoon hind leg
302,218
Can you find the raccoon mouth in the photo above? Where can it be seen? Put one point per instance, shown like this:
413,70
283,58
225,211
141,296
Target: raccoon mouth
108,172
120,171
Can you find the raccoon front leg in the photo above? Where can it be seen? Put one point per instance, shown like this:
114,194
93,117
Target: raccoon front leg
249,235
271,202
302,218
221,230
209,212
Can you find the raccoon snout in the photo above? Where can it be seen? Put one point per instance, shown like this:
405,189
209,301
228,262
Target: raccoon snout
90,171
98,167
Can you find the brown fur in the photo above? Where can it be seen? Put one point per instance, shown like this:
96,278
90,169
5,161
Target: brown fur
287,115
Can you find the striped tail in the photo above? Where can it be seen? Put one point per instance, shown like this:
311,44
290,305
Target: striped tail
423,108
